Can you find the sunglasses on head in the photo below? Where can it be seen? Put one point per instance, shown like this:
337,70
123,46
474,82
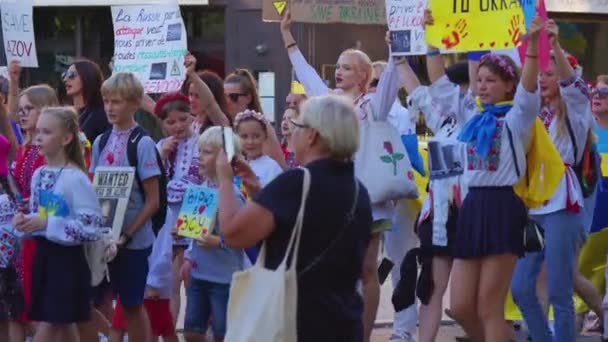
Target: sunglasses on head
70,74
234,97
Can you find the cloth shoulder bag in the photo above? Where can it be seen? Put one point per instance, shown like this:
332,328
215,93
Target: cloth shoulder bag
382,163
263,303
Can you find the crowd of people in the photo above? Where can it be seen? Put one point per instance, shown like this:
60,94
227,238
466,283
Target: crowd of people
358,145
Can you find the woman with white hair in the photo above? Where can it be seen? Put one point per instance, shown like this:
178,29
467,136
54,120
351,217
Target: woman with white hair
566,113
335,230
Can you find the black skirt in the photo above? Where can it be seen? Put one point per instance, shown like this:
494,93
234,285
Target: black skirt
490,222
12,303
61,284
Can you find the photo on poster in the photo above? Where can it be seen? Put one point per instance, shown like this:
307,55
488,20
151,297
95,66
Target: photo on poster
108,211
174,32
401,41
158,71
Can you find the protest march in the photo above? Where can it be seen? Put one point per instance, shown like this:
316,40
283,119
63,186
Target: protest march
461,177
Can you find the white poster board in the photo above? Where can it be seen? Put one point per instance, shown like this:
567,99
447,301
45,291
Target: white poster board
18,32
405,19
151,42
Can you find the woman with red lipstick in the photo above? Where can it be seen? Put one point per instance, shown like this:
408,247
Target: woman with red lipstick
566,113
82,82
353,76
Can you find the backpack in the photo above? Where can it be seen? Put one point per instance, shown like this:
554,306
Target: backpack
158,219
544,170
587,170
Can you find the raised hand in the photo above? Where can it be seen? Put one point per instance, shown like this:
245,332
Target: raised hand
428,17
14,71
190,63
286,21
552,32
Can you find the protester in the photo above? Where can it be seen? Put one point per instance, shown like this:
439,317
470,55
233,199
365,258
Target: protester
210,262
293,101
567,117
330,261
484,262
122,95
62,220
289,115
353,76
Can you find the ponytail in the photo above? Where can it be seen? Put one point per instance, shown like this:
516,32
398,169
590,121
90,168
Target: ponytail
248,85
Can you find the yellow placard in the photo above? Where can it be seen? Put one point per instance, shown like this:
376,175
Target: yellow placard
476,25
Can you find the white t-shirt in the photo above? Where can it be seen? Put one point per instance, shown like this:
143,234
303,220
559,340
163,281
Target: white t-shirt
265,168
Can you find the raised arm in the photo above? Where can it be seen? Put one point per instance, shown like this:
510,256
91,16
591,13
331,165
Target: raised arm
14,75
386,92
307,75
434,61
205,98
7,130
529,74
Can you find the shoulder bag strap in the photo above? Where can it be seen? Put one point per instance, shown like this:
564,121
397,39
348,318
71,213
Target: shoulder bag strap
573,139
517,170
294,241
350,217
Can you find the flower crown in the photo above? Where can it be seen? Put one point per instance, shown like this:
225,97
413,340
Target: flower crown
169,98
500,61
249,114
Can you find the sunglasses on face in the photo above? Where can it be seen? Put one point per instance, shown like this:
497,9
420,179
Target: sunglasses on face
70,74
601,92
234,97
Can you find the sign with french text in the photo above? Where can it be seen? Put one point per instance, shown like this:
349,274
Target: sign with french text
18,32
150,41
405,20
472,25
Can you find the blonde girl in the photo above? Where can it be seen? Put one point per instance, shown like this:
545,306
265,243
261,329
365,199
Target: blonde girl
62,220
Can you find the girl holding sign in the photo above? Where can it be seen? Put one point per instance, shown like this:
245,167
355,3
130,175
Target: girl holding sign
489,229
567,117
353,76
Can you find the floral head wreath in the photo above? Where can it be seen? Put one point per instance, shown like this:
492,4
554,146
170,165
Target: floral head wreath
500,61
249,114
169,98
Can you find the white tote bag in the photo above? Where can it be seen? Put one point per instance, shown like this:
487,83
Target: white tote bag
263,303
381,163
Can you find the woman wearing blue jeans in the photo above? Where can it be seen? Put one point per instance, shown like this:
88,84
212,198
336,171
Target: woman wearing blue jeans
567,116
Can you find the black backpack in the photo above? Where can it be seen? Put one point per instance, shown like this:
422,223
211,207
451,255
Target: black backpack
158,219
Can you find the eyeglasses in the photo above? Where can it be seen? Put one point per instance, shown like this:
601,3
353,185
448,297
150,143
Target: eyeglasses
601,92
25,110
234,97
298,125
70,74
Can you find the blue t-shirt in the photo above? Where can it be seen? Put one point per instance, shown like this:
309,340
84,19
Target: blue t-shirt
115,154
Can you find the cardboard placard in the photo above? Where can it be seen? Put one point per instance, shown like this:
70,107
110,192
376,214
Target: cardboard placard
198,212
470,25
151,42
18,33
113,186
327,11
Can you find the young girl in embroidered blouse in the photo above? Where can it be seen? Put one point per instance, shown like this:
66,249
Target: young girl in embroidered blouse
62,221
566,113
489,228
353,75
179,152
29,104
12,304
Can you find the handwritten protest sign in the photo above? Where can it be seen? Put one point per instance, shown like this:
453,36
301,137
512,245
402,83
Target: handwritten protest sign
471,25
327,11
405,20
151,41
18,32
198,212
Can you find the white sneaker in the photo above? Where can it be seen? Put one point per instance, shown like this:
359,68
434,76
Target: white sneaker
407,337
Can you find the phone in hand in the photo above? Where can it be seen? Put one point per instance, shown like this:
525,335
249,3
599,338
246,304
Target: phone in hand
384,269
228,142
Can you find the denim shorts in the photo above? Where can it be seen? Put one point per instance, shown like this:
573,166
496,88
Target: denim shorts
206,300
128,274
